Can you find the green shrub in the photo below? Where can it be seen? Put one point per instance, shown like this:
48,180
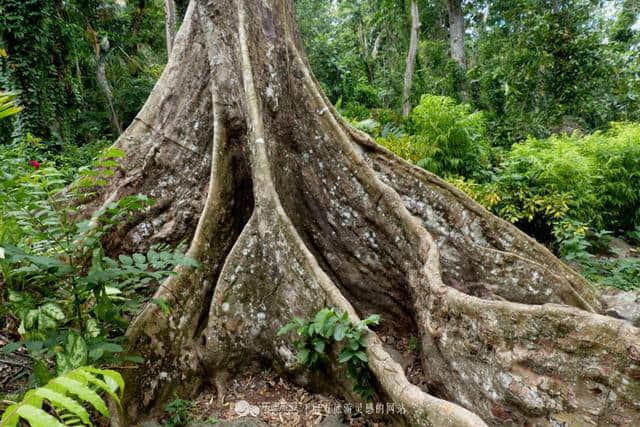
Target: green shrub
616,154
71,298
592,179
449,138
355,111
584,246
178,411
402,146
387,116
328,326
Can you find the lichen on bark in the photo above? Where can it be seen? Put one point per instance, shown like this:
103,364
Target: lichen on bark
288,209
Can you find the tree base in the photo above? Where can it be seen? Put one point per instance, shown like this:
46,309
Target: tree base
290,210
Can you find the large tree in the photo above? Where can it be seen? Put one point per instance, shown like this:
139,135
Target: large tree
289,209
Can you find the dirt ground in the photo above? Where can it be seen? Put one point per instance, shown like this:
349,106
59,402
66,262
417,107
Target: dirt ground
278,402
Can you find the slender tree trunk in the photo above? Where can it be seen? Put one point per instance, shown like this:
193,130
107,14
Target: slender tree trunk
289,209
170,23
376,46
411,59
364,51
456,33
103,82
456,43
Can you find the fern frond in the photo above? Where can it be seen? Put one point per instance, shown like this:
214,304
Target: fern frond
66,394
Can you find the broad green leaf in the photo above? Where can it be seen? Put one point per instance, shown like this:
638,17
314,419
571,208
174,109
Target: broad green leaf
11,347
303,356
49,316
83,392
76,350
319,345
125,260
10,416
41,372
374,319
113,378
134,359
64,402
30,319
37,417
286,328
139,258
339,332
345,356
111,347
95,354
362,356
63,364
86,377
91,327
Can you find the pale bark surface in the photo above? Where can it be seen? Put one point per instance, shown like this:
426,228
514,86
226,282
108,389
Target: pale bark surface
456,32
411,59
170,23
289,210
101,76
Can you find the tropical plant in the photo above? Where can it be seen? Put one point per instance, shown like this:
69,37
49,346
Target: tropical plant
72,299
61,402
178,411
8,106
449,137
327,327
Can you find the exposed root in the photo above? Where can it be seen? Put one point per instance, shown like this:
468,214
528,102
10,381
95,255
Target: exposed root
303,212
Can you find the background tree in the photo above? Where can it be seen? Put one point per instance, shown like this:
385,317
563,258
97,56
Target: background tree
170,23
411,59
456,32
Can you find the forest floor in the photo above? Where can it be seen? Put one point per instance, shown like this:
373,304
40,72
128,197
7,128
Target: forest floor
275,401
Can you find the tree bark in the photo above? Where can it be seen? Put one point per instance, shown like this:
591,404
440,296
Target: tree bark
103,82
170,23
411,59
289,209
456,33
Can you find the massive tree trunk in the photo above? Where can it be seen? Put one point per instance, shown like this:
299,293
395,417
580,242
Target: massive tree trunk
411,59
289,210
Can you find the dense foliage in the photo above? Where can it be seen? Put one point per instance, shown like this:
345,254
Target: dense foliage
72,300
49,54
534,67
